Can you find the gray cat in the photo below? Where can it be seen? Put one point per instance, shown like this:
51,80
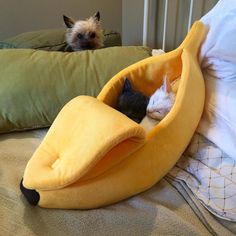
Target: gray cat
132,103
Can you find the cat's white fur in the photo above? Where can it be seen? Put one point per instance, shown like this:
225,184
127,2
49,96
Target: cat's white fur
148,123
159,105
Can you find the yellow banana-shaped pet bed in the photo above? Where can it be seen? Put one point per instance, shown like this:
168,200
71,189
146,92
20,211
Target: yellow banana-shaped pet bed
94,155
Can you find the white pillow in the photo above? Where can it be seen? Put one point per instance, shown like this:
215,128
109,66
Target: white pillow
218,54
218,122
218,63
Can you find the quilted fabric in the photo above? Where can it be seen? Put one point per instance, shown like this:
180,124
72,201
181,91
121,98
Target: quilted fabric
211,175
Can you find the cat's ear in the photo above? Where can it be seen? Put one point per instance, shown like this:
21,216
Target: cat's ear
127,86
166,85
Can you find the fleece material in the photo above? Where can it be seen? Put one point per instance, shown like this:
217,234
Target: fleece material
71,169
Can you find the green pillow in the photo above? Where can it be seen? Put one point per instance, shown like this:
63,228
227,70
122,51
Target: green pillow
35,84
52,40
6,45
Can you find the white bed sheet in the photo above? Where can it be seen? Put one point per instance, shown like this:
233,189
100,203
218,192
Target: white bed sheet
218,63
211,175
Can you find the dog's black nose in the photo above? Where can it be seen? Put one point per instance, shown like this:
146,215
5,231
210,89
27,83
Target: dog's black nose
30,194
80,36
86,45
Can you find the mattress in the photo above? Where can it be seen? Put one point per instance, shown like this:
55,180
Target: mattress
168,208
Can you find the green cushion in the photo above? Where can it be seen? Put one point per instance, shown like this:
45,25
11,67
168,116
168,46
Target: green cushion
52,40
36,84
6,45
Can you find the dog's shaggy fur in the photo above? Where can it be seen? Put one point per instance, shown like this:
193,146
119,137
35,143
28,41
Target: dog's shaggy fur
84,34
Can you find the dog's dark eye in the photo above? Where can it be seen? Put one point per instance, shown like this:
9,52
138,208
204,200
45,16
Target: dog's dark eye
92,35
79,36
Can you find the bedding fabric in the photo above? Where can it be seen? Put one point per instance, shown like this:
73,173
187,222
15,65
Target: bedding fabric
35,84
218,63
210,174
158,211
53,40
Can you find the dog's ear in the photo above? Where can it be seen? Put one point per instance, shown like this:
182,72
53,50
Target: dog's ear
97,16
68,21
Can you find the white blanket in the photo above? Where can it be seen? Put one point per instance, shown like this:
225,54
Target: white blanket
211,176
218,63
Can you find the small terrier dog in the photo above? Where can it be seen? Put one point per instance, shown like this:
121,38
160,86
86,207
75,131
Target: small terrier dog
84,34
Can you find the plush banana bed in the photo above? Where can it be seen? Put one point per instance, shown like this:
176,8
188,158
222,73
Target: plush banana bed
161,210
94,156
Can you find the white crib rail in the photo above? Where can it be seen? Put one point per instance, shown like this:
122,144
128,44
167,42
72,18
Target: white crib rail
190,15
146,21
165,25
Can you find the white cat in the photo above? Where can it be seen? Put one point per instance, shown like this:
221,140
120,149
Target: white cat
159,105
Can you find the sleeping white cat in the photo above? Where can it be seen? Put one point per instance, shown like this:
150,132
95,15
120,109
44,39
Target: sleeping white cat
159,105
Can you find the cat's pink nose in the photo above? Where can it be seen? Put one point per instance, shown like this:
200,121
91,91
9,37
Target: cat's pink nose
150,109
